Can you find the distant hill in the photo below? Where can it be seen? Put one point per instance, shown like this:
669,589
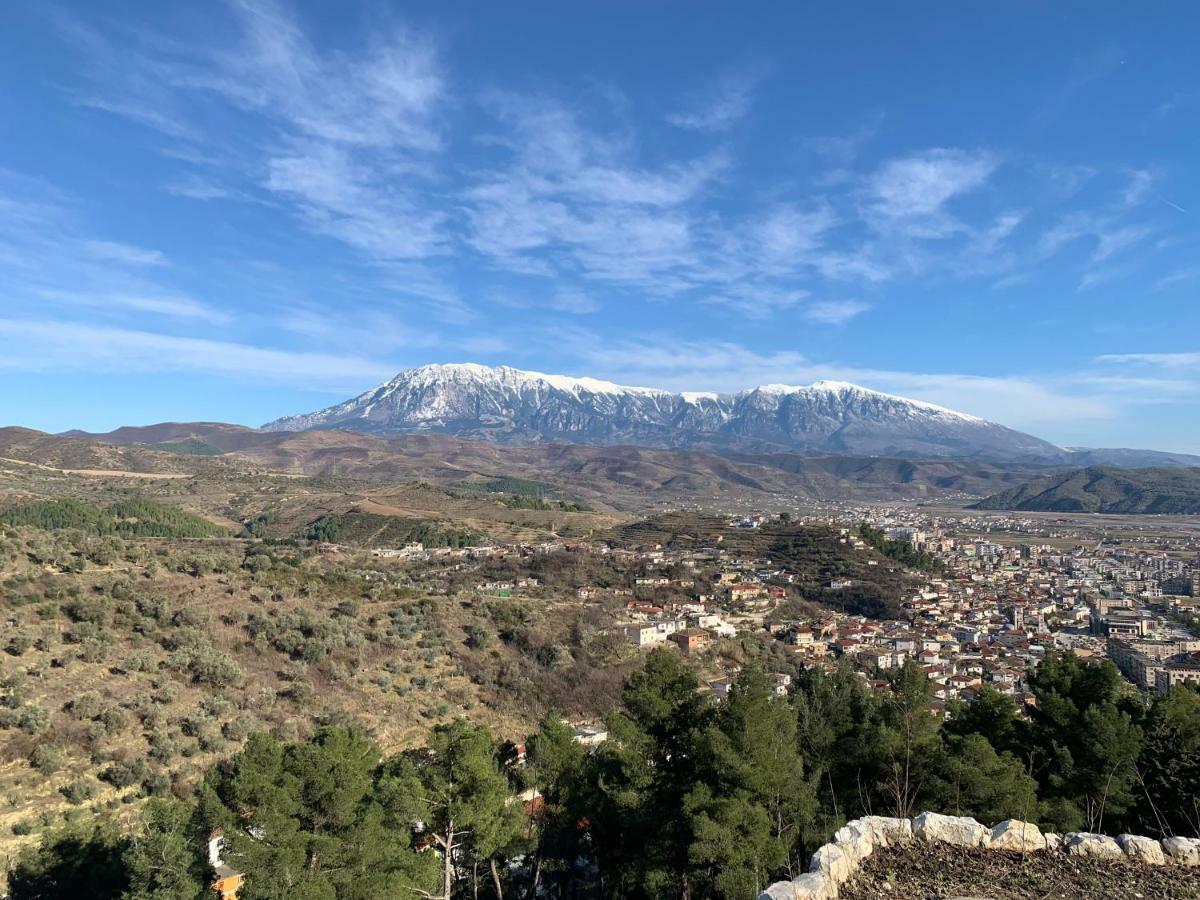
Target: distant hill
1102,489
624,476
1126,458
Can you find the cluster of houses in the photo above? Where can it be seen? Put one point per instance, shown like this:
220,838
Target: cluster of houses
987,619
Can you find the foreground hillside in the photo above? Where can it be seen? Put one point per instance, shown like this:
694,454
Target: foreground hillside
1096,489
127,666
680,797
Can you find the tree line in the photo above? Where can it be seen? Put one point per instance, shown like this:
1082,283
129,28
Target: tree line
131,517
901,551
686,798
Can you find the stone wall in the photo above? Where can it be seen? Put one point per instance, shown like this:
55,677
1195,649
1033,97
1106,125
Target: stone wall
836,863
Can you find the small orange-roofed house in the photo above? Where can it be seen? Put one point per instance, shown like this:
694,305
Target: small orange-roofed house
227,881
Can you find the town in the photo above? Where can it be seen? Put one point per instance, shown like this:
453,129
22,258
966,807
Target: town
994,597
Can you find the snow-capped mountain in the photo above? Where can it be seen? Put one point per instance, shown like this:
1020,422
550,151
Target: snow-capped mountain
513,406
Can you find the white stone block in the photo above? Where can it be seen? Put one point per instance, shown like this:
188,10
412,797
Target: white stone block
1142,849
1013,834
855,841
814,886
961,831
885,831
780,890
1084,843
832,862
1182,851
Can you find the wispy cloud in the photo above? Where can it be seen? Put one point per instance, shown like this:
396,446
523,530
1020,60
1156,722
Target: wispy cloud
343,140
1169,360
50,260
123,253
364,145
1184,275
912,193
52,346
718,108
171,306
835,312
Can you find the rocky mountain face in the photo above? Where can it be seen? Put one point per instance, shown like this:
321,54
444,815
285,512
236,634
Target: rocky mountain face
511,406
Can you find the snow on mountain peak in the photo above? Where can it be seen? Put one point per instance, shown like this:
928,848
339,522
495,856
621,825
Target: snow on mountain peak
513,405
507,376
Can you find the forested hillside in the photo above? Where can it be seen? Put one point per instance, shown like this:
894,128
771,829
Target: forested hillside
132,517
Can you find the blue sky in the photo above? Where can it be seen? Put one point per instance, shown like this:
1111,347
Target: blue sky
239,211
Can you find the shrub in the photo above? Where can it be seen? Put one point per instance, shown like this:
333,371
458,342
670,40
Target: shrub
18,643
47,758
80,790
124,774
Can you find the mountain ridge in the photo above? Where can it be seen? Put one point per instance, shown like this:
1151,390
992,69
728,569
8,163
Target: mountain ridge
509,405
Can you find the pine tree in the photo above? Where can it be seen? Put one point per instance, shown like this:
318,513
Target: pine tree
1169,770
753,805
304,821
639,778
555,762
463,799
970,778
906,740
836,717
165,859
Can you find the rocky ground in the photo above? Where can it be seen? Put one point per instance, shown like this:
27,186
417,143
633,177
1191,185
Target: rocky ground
929,871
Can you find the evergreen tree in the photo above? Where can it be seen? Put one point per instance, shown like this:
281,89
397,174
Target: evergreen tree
165,859
750,812
640,777
555,762
906,741
1084,743
461,796
971,779
304,821
994,716
836,717
1169,771
76,863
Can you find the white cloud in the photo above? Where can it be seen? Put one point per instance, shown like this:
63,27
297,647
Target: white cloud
339,197
48,260
717,109
359,145
1110,243
384,96
1183,275
49,346
123,253
835,312
167,305
918,187
1170,360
